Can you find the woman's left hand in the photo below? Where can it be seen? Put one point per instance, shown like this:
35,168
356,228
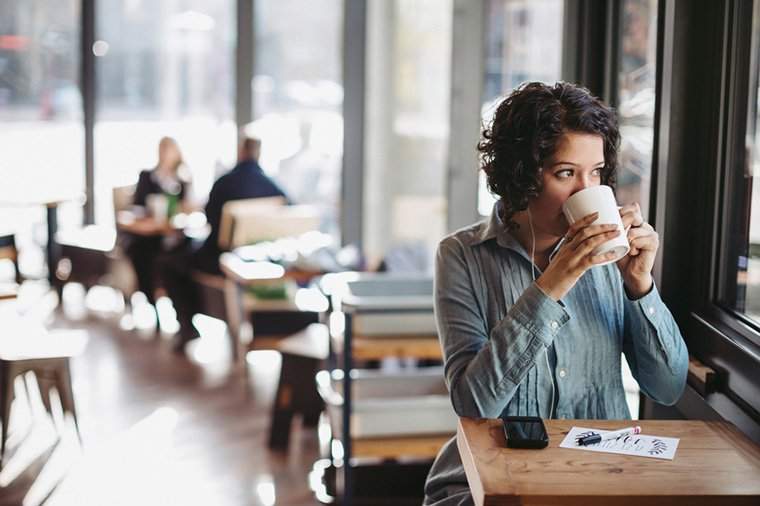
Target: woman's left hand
636,266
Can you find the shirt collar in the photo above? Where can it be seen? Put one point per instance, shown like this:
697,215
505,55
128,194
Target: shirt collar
495,228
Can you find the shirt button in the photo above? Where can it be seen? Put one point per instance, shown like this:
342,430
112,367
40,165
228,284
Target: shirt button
562,373
554,325
651,309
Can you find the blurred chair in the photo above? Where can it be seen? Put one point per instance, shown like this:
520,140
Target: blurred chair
48,358
8,252
92,255
235,216
242,219
244,222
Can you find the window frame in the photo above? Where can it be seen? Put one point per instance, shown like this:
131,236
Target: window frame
722,332
701,118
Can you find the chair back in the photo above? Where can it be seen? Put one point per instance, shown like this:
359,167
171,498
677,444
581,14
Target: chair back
8,251
123,197
8,248
267,223
237,216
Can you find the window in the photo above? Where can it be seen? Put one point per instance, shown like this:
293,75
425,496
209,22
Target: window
704,200
635,93
41,131
163,69
523,43
407,128
740,290
298,99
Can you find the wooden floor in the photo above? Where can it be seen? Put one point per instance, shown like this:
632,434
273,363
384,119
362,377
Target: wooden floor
158,428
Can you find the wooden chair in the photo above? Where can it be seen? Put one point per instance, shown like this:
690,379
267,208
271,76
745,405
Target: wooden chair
48,358
235,217
8,252
243,222
91,254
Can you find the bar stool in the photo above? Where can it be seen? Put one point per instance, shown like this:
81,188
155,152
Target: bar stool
302,356
48,358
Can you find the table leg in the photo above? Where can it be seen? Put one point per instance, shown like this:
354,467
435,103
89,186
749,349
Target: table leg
348,485
233,294
52,248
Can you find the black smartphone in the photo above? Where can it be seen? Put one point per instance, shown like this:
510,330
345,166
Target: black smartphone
525,432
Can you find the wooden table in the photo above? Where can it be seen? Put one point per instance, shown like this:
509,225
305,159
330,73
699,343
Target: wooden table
8,291
714,464
50,199
192,225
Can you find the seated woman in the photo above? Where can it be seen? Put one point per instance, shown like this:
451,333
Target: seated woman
529,322
167,178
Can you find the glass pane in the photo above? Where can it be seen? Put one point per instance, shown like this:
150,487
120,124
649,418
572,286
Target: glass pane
636,81
523,43
298,99
407,117
41,133
164,68
741,287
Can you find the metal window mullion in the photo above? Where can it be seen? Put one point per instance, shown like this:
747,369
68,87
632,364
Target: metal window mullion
354,96
467,71
87,87
244,63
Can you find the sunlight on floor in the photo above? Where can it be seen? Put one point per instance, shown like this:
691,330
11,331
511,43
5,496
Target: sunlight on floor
131,468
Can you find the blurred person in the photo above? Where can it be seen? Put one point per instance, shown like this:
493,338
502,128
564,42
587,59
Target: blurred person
169,178
246,180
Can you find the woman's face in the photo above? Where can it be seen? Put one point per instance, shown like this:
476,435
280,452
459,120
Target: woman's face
168,153
577,164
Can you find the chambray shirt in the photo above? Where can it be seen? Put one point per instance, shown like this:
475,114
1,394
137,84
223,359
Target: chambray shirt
505,343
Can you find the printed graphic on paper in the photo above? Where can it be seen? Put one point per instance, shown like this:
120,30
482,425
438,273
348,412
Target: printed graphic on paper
640,445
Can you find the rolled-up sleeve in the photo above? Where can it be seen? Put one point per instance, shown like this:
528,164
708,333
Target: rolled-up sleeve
483,371
654,348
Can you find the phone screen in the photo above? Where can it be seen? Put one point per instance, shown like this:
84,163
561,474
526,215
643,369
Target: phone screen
525,432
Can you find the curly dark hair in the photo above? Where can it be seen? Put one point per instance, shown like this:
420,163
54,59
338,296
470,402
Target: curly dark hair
524,134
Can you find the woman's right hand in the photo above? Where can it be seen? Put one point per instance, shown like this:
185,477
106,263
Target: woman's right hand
575,256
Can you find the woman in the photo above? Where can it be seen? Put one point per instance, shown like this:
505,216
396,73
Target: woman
528,324
167,178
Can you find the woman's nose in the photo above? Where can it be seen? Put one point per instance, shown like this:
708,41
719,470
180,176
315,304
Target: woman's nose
583,182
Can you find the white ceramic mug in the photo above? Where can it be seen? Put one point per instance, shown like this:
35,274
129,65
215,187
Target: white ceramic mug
599,199
158,206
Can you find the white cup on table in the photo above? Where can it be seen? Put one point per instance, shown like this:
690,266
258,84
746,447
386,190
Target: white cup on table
158,206
599,199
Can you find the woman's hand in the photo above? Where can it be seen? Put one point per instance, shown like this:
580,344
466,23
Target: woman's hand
575,256
636,266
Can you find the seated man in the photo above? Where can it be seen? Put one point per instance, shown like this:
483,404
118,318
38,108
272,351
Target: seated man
246,180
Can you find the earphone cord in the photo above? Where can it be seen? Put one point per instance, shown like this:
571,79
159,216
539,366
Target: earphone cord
533,274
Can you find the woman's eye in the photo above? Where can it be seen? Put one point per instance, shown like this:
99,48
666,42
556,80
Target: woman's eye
564,173
597,172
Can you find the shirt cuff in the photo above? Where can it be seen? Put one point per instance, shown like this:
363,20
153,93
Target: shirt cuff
650,305
540,314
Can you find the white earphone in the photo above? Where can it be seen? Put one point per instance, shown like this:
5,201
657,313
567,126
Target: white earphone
533,274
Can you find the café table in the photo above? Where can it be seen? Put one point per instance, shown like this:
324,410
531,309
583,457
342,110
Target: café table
8,291
714,464
191,225
50,199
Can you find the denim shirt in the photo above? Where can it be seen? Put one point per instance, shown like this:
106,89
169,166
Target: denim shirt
498,331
